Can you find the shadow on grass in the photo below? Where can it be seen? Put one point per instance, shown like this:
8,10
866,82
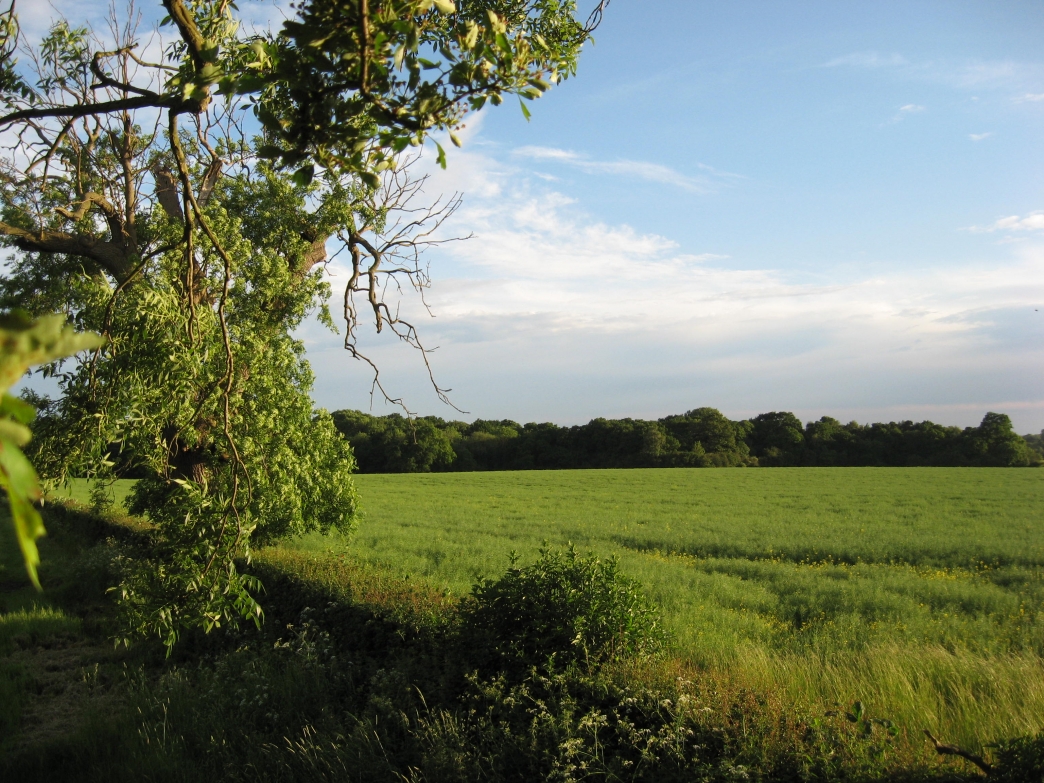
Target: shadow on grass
359,674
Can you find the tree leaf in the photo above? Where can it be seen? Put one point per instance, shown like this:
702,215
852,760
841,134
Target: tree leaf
23,343
19,480
303,176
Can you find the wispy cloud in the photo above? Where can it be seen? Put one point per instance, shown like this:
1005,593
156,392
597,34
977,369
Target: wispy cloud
980,136
904,111
966,74
1030,97
985,72
550,313
644,170
1034,221
868,60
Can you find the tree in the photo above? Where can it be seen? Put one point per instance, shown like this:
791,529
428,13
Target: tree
144,209
995,443
707,429
394,444
775,437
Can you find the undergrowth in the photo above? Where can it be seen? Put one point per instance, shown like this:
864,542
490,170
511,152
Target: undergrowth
557,671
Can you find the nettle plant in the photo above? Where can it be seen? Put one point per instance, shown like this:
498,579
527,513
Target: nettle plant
183,209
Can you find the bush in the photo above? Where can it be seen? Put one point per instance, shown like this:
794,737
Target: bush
1020,760
562,610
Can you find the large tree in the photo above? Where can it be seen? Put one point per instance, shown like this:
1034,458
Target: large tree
146,204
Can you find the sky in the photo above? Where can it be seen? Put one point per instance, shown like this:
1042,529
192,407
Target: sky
829,208
832,208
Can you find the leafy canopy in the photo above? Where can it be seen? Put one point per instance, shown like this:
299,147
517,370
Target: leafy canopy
142,209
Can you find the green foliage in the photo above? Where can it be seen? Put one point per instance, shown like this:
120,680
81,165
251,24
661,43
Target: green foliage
1019,760
204,396
24,343
219,470
394,444
996,444
775,434
563,610
346,86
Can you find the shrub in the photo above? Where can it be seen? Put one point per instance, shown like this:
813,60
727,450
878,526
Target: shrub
1020,760
563,610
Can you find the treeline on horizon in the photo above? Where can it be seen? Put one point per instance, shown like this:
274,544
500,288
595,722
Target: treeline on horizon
703,437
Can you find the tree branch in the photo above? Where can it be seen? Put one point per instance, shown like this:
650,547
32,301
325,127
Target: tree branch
110,256
153,100
104,80
952,750
190,33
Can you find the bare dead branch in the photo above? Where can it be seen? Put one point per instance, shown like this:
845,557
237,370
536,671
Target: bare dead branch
952,750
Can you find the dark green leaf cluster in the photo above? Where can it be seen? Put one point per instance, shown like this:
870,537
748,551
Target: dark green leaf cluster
1019,760
563,610
394,444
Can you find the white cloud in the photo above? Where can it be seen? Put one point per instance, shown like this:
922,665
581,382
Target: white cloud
868,60
987,72
1030,97
538,260
1034,221
552,314
1007,75
980,136
650,172
904,111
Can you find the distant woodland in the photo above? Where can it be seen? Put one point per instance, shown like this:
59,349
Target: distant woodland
703,437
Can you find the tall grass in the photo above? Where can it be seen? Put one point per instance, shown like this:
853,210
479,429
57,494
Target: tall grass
919,592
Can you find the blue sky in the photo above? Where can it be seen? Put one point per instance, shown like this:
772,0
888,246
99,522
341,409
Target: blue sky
833,208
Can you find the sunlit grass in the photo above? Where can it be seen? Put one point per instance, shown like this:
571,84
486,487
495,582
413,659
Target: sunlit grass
79,490
29,625
917,591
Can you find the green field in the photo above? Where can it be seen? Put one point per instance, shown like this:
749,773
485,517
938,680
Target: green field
918,591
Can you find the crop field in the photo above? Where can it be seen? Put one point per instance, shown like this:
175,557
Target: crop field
918,591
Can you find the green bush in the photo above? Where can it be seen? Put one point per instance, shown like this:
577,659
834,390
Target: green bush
563,610
1020,760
